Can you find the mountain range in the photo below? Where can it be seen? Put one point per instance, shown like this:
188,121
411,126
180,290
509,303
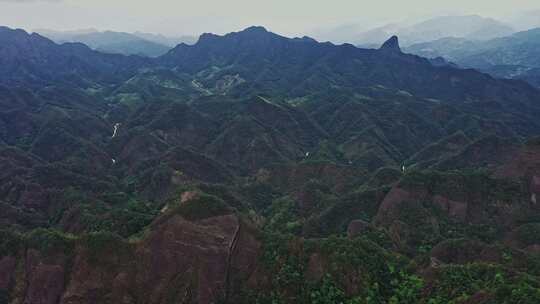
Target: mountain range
472,27
138,43
513,56
256,168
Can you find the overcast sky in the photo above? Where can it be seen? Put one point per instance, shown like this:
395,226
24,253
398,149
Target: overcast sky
289,17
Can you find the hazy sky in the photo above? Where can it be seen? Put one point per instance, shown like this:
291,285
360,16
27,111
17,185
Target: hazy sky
289,17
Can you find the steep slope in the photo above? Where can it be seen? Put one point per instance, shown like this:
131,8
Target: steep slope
156,269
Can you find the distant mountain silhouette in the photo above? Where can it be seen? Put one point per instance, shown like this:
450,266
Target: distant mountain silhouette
36,59
166,40
468,27
273,62
144,44
514,56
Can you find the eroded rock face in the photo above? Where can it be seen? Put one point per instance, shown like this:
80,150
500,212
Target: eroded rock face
524,163
454,209
521,163
389,208
480,297
534,189
243,260
45,284
465,251
356,228
398,197
191,255
533,249
315,269
35,277
179,261
7,270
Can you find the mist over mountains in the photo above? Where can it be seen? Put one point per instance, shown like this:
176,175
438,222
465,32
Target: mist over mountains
513,56
469,27
525,20
504,49
138,43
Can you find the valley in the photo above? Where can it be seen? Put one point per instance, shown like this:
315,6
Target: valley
255,168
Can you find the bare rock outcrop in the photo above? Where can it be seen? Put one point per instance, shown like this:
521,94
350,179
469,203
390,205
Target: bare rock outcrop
178,260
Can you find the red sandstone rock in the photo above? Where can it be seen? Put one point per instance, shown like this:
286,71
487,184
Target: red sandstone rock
7,270
454,209
178,261
356,228
45,278
315,268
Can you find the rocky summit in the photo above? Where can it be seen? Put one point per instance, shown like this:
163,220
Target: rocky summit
391,45
255,168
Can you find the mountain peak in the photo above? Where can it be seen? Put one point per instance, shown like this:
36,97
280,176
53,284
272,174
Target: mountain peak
205,37
391,45
9,32
20,37
250,32
254,33
255,29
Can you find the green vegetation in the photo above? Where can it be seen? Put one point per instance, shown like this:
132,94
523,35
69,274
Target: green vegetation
529,234
117,212
298,139
463,183
97,242
202,206
50,241
10,242
47,241
372,271
106,248
377,276
283,216
260,195
460,282
362,204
